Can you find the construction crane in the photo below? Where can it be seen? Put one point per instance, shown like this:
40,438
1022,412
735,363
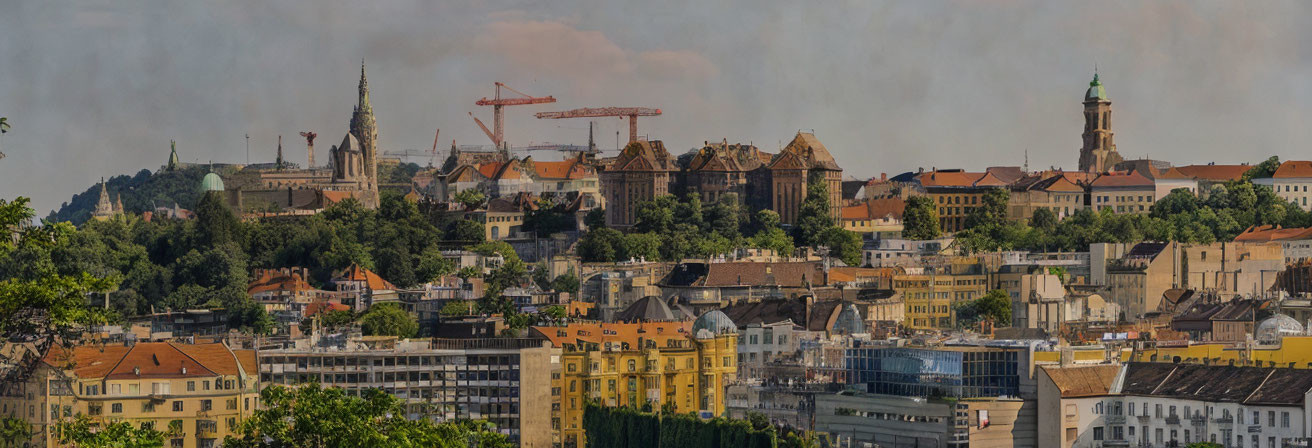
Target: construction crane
588,112
498,121
433,159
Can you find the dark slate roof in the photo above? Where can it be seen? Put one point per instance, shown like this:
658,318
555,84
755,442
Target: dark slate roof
685,274
778,310
1247,385
742,273
646,309
1146,249
1020,333
852,187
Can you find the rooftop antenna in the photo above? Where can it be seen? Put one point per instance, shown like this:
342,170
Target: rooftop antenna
248,151
1027,161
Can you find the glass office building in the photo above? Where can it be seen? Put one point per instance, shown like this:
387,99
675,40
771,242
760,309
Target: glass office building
963,372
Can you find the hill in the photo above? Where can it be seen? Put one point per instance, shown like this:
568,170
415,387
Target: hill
141,192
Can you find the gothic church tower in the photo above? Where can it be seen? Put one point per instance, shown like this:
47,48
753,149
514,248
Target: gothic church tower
365,130
1099,151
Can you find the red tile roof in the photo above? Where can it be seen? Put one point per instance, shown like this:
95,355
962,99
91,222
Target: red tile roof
875,209
1215,173
1294,168
1262,234
566,169
147,360
271,280
1115,179
949,178
317,307
355,273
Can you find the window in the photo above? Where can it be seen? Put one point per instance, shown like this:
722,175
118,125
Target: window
177,406
191,386
1097,433
206,405
1284,419
1271,418
116,408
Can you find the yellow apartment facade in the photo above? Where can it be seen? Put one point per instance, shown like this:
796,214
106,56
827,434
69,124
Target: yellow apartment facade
196,394
674,363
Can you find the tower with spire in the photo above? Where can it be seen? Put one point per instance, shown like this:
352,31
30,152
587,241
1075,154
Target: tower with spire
104,208
279,164
1098,154
365,129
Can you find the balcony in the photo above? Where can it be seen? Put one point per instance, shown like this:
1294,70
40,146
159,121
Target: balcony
207,433
1143,419
1227,420
1197,420
1114,419
1172,419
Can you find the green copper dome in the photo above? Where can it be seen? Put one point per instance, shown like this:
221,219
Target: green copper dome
1096,92
211,182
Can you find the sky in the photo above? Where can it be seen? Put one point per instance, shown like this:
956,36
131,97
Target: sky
98,87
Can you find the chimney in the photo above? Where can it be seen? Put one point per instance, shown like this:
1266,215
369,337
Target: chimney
883,176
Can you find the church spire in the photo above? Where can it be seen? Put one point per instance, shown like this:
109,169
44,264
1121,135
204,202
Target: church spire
280,163
364,106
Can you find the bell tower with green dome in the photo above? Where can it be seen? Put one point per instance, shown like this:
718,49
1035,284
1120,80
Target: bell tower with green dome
1099,151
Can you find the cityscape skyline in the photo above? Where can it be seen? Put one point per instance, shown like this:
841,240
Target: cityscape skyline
968,86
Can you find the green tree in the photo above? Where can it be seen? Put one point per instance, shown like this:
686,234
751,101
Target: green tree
992,208
471,199
566,282
595,219
313,416
601,245
15,432
38,304
466,230
83,433
920,219
490,248
1044,219
457,308
388,319
433,265
773,239
1262,170
813,216
655,216
215,222
996,306
843,244
641,245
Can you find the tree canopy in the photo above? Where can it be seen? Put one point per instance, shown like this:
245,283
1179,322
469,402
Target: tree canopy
311,416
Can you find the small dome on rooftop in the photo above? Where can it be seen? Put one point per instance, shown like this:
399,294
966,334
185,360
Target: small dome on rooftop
714,321
1272,329
211,182
1096,91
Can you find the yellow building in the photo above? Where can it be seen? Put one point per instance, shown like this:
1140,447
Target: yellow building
677,363
929,296
1292,351
195,393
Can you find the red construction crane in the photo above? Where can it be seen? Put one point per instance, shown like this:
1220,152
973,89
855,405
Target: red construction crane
588,112
498,124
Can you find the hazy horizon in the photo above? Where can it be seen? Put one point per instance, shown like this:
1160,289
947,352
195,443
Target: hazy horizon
96,89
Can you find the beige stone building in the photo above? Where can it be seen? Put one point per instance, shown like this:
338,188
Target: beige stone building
195,394
1123,192
1098,154
640,173
1062,193
1067,400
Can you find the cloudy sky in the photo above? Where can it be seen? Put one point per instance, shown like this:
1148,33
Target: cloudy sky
98,88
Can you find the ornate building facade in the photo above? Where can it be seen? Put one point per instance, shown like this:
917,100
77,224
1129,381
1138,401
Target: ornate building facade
641,173
1098,154
790,171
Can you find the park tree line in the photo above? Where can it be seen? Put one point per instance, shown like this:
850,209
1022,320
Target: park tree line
671,228
1219,214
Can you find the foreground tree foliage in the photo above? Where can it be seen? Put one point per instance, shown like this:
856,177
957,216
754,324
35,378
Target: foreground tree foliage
83,433
311,416
995,306
670,229
624,427
388,319
40,303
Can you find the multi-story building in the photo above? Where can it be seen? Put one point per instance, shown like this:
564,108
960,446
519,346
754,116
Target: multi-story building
195,394
790,172
882,216
930,295
1296,241
720,169
1165,404
1068,399
903,252
1062,193
284,293
504,381
1291,182
640,173
1137,279
1122,192
678,364
957,193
